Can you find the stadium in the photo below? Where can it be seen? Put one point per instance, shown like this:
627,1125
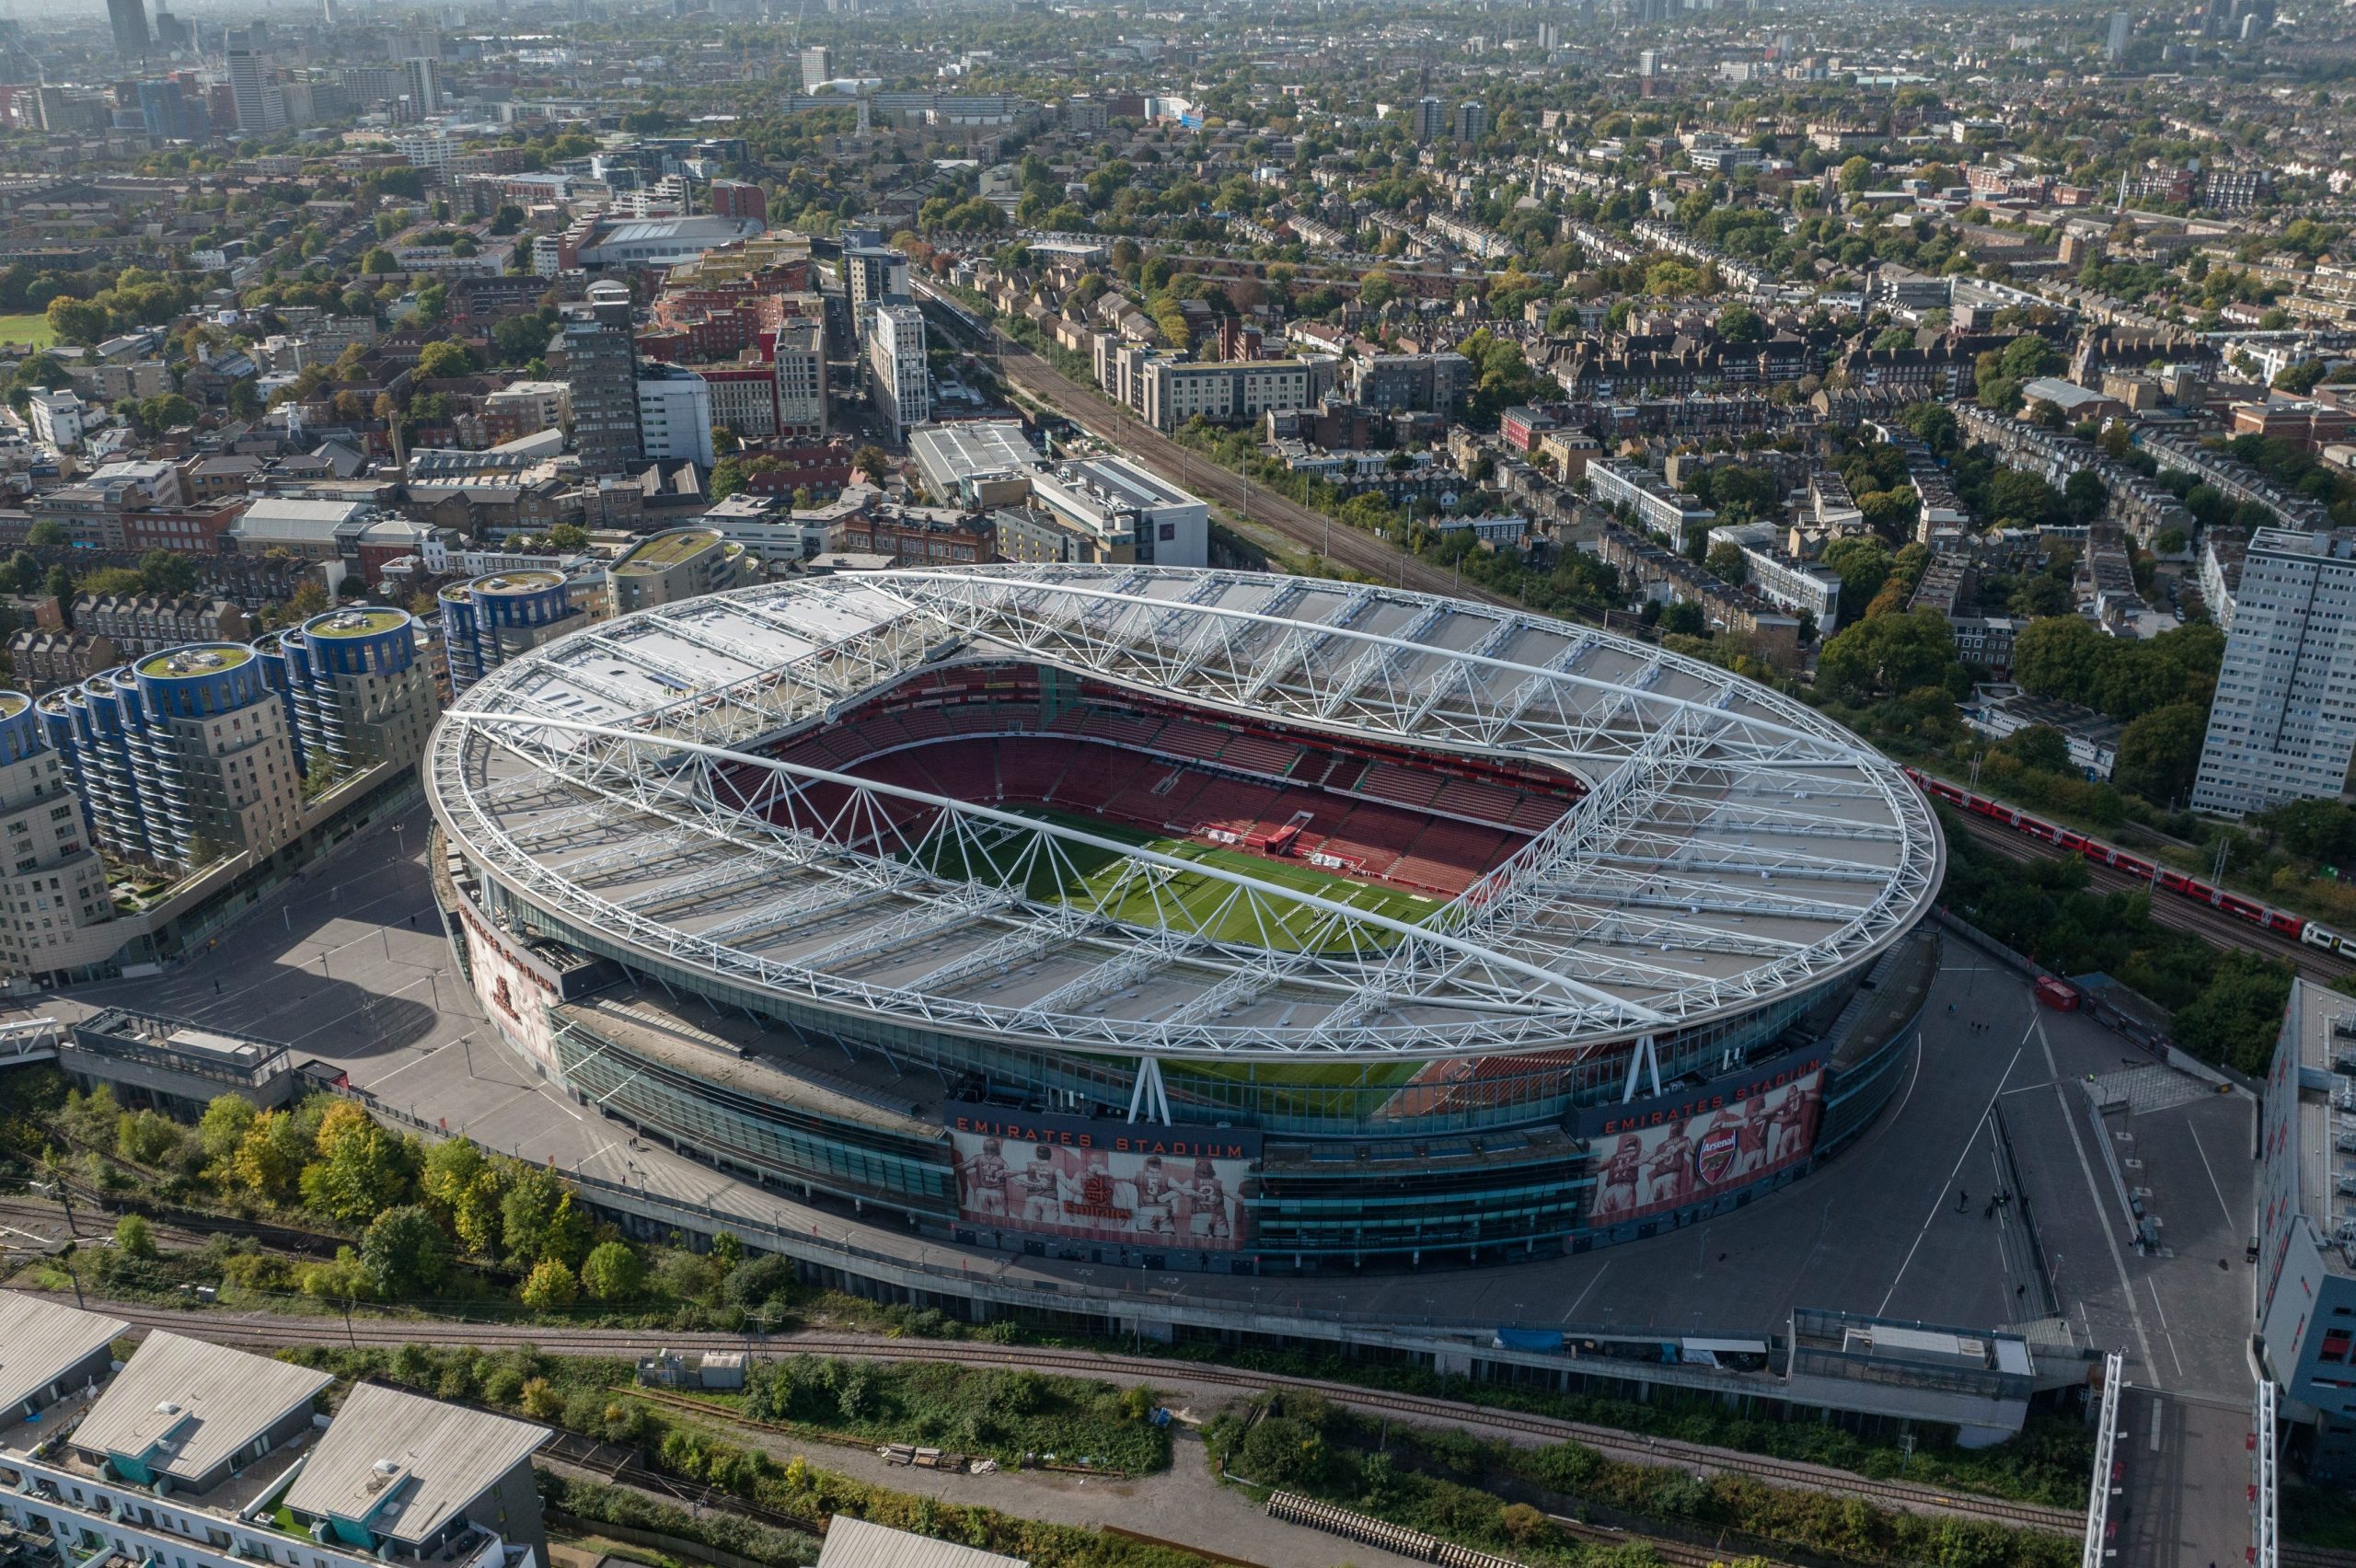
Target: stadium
1186,918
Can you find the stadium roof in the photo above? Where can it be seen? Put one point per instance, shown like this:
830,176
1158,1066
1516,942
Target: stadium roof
1731,844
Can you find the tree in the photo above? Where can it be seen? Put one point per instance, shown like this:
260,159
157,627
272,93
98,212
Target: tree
269,1161
1740,324
443,360
362,1169
166,571
1886,655
462,1186
538,1220
2160,752
223,1126
871,460
2040,747
404,1252
612,1272
378,262
1377,288
1863,565
1727,560
2061,656
1855,174
2237,1015
134,1236
550,1287
345,1280
76,320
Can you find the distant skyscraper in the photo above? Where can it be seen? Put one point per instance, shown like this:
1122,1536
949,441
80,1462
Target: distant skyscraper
247,81
2115,48
171,33
817,67
423,73
1472,120
163,111
1426,118
129,19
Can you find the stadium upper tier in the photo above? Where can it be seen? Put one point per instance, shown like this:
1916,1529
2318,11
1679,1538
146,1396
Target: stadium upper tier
1179,813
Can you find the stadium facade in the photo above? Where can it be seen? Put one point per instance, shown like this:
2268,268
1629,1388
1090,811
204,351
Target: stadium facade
1185,918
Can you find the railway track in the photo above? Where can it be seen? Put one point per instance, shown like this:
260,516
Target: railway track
275,1331
2178,914
1310,530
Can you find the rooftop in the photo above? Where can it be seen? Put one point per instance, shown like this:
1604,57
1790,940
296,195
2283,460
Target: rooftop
855,1543
365,621
405,1464
663,551
201,659
181,1407
41,1340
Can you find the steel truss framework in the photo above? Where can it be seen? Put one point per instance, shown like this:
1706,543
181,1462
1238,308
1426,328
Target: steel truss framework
1731,846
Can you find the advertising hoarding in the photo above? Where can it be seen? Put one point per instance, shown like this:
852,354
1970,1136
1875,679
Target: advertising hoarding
1115,1182
1669,1164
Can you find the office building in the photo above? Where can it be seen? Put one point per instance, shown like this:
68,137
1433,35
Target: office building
129,19
800,349
674,414
169,1458
678,564
593,351
817,67
1128,513
2284,724
355,690
55,909
488,620
872,275
180,758
899,383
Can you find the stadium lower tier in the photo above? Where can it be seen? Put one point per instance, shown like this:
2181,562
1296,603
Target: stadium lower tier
1260,1169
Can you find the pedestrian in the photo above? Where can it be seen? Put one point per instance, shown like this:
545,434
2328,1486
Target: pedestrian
1962,1200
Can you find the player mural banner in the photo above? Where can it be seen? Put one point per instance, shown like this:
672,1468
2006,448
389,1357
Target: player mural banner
1103,1181
1693,1158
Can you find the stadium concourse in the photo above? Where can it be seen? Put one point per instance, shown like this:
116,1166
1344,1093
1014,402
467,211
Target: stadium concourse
1187,919
348,968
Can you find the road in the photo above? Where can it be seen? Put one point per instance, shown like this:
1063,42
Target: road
2167,908
1310,530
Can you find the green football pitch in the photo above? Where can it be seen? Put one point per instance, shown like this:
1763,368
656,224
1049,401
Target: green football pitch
1093,876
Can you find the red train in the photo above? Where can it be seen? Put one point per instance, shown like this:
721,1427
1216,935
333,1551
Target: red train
2280,922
